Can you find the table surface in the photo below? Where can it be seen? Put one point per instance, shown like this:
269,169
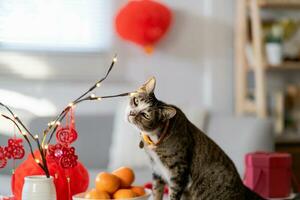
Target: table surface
292,197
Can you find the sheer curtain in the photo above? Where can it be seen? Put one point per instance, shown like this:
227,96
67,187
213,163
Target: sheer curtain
55,25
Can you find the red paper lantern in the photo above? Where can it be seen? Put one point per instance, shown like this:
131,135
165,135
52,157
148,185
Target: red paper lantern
143,22
78,175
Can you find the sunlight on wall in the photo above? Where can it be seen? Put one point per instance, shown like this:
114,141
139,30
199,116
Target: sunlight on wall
25,66
38,107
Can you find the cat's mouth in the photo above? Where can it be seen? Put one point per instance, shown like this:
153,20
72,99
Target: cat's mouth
129,116
130,119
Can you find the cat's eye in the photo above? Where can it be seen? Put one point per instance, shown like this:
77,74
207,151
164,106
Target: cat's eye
135,101
145,115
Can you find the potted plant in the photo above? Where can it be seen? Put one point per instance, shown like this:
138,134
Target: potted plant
274,50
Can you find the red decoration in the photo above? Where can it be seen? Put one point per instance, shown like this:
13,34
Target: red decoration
78,174
3,159
61,152
55,152
70,176
64,156
66,135
69,159
269,174
15,149
143,22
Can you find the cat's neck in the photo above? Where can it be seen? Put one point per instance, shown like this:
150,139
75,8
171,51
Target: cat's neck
156,135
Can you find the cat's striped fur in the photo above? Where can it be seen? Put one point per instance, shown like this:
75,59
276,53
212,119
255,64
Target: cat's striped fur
194,166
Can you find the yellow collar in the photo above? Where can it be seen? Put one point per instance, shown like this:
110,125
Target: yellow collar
148,140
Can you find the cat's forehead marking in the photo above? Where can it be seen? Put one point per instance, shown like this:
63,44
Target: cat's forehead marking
147,98
143,105
146,101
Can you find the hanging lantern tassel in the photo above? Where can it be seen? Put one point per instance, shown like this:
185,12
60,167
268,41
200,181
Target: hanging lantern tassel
149,49
69,185
143,22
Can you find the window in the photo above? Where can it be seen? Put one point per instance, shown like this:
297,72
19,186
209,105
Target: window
55,25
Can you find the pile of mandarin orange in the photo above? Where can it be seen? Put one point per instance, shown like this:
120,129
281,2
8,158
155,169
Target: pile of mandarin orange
115,185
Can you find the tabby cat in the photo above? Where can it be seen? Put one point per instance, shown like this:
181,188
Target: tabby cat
182,156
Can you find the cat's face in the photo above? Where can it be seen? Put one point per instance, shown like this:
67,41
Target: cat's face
145,111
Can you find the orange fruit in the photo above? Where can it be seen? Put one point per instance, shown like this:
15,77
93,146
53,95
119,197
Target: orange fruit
94,194
126,175
124,194
139,190
107,182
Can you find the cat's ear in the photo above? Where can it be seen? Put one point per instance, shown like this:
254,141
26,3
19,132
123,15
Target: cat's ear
149,86
168,112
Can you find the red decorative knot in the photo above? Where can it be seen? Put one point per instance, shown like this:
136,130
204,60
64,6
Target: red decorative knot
63,155
66,135
3,159
14,149
55,151
69,159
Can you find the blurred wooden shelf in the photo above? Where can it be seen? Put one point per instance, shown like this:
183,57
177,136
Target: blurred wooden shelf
289,65
288,138
285,66
291,4
250,11
289,142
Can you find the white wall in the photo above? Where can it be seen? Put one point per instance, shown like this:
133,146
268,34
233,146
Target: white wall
193,64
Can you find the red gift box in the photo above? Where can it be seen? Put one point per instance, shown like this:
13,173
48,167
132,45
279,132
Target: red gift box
269,174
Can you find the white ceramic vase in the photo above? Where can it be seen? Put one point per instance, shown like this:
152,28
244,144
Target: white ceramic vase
38,188
274,53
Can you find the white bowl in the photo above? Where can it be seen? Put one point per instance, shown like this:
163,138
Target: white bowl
145,197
